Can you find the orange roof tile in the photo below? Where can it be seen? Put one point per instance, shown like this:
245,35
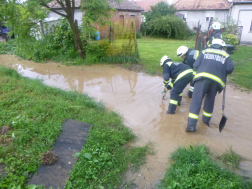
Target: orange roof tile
201,4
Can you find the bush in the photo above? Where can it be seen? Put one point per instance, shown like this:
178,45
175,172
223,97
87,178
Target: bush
168,27
138,35
230,38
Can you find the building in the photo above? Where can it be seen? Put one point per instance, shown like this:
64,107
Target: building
201,11
241,11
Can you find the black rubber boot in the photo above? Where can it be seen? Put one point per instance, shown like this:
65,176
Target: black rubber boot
190,128
207,124
189,94
171,109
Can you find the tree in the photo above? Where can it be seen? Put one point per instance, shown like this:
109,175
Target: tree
22,17
160,9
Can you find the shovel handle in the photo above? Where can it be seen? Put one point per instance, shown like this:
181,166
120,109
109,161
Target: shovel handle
223,100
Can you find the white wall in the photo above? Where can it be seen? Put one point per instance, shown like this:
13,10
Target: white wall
193,17
243,14
77,15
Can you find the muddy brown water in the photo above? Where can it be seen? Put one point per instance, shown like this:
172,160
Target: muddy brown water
137,98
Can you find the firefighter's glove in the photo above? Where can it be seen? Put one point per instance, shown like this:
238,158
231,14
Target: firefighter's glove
168,85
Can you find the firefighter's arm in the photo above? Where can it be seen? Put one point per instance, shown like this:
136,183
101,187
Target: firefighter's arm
197,63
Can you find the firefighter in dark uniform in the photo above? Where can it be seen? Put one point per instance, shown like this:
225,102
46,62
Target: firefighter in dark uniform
212,67
189,56
215,33
180,75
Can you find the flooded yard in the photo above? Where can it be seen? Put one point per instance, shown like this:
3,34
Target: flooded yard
137,98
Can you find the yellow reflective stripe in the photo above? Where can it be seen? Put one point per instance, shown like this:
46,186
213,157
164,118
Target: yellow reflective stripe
197,54
169,63
182,74
173,102
217,52
207,114
194,73
166,81
171,84
180,94
194,116
211,76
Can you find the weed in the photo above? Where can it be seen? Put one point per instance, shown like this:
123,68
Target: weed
230,158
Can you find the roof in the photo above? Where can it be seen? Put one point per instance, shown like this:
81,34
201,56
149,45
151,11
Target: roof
124,5
146,4
201,4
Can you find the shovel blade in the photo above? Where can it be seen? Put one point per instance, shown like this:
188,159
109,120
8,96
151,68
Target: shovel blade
222,122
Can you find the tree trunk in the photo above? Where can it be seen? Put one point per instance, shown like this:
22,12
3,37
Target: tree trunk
77,39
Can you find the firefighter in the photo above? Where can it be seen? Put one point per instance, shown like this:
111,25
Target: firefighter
189,56
215,33
212,67
180,75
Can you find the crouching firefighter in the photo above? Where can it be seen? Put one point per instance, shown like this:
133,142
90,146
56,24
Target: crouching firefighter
180,75
212,67
189,56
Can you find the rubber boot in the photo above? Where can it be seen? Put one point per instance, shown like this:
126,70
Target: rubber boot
207,123
190,128
189,94
171,109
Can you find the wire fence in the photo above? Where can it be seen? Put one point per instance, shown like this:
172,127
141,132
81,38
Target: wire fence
121,35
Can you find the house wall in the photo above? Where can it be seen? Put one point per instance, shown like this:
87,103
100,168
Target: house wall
243,14
194,16
77,15
129,14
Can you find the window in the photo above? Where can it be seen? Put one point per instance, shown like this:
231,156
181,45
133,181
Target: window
209,15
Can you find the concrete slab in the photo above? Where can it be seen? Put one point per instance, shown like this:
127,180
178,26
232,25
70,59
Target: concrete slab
71,140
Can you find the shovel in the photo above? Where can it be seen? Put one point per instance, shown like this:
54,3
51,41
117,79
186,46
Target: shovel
224,118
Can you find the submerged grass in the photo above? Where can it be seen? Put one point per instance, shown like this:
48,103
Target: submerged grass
35,112
193,168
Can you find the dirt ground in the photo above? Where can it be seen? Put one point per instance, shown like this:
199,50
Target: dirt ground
137,97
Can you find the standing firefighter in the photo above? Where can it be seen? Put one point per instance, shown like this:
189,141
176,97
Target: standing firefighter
189,56
180,75
212,67
215,33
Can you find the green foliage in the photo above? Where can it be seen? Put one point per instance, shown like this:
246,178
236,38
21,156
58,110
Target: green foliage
57,45
138,35
230,38
230,25
23,19
230,158
168,27
242,74
35,113
159,10
193,168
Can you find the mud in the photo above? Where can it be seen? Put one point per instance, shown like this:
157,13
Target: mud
137,97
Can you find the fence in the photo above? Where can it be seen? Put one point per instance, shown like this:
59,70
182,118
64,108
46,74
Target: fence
121,35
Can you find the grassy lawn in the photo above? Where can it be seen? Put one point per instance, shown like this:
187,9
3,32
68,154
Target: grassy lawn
153,49
242,74
194,167
32,115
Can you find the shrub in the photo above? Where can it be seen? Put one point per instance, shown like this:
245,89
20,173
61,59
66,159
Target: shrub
168,27
138,35
230,38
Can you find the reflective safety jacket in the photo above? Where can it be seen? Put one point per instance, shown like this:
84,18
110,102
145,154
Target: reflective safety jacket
214,64
175,71
191,56
212,36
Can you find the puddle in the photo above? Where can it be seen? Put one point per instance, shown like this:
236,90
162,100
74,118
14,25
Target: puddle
137,97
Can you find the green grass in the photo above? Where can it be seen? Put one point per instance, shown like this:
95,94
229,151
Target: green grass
151,50
35,113
193,168
230,158
242,74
